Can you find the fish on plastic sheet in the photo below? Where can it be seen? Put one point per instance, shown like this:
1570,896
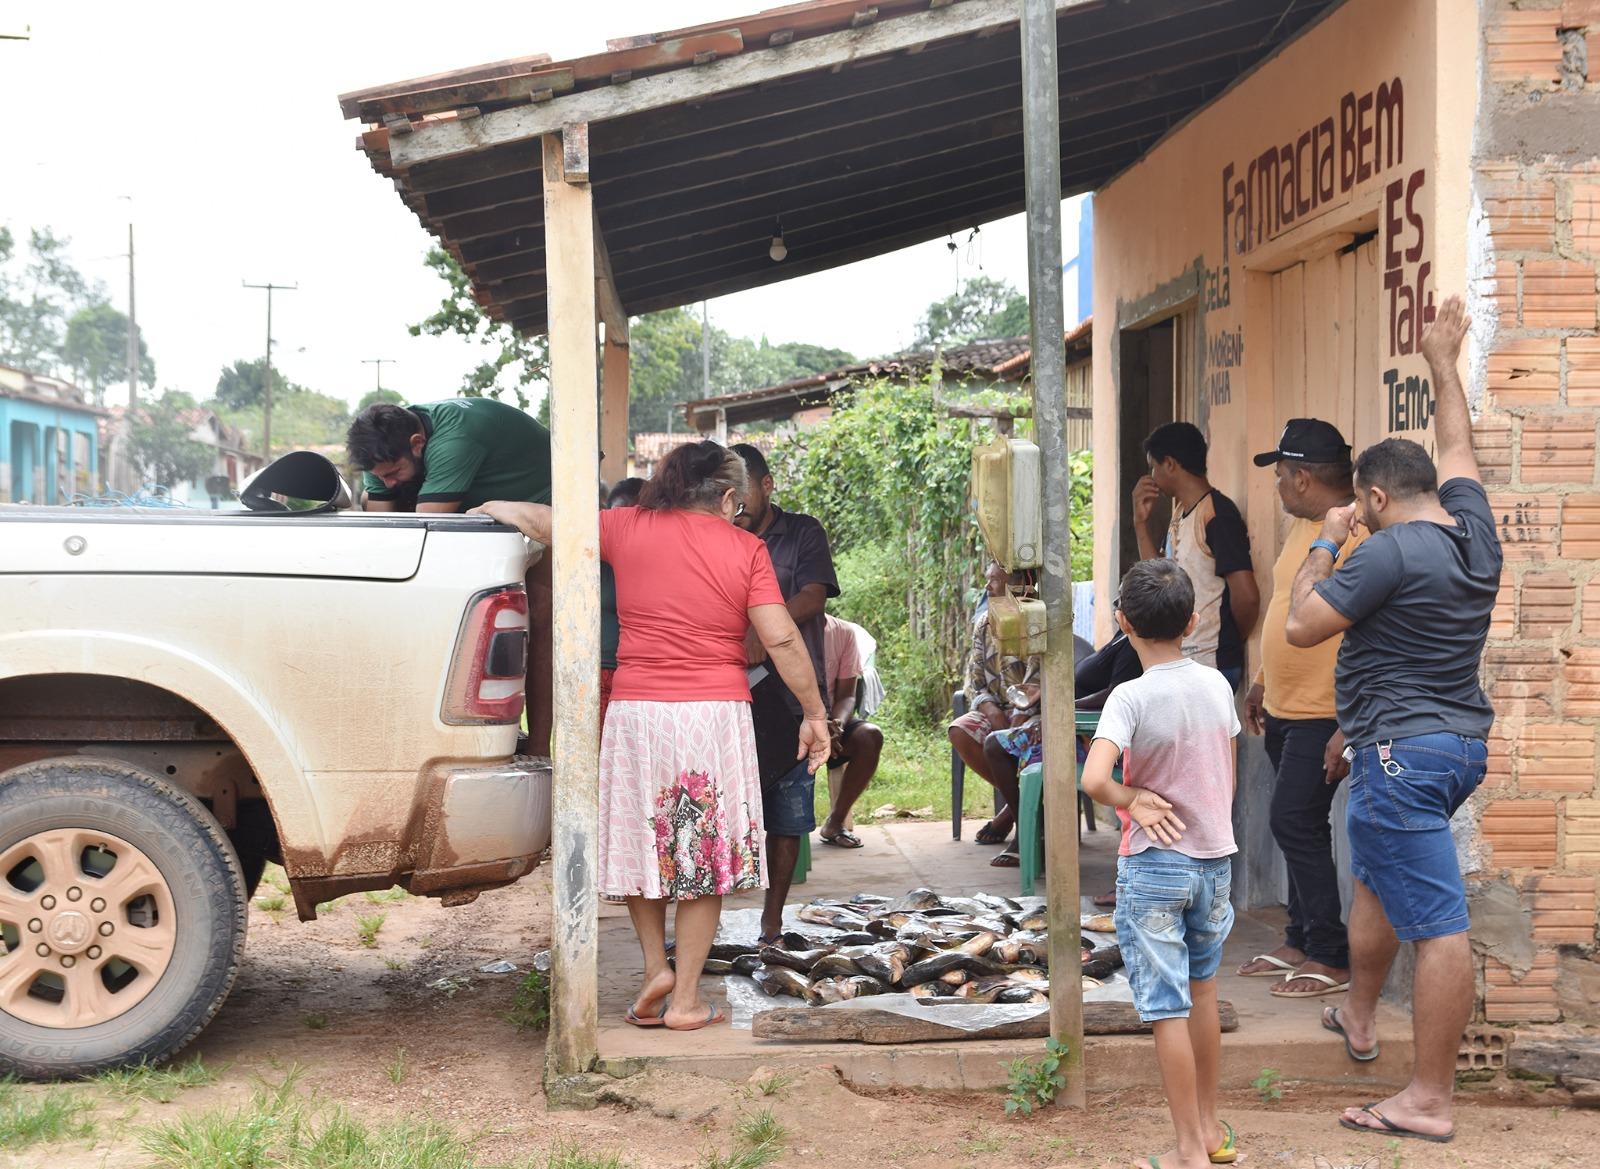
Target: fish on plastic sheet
780,980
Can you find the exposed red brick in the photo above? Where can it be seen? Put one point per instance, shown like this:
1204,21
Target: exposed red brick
1491,439
1581,849
1521,212
1558,294
1556,757
1580,13
1583,371
1580,527
1592,44
1526,372
1563,910
1591,608
1527,524
1498,772
1558,448
1548,604
1523,47
1586,199
1522,833
1530,999
1500,290
1521,679
1503,620
1582,671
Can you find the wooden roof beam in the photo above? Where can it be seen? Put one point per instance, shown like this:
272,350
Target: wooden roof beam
752,67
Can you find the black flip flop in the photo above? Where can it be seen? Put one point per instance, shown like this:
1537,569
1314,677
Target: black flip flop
986,835
1391,1129
1330,1022
843,839
1006,860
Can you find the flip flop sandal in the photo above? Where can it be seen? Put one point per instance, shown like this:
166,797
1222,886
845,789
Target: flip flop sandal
1006,860
988,835
1282,968
1329,986
714,1015
1229,1152
1330,1022
843,840
1104,901
1391,1129
649,1020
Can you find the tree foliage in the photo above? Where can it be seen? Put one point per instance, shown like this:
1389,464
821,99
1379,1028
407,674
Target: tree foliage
40,290
162,444
666,365
242,385
984,309
373,397
96,350
515,364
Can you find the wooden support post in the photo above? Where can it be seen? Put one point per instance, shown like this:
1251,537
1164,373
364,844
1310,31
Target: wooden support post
575,552
1041,127
614,366
614,407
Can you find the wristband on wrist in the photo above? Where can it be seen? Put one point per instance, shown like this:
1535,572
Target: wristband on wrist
1329,545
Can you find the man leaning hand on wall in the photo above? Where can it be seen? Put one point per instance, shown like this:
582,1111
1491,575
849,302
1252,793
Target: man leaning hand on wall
1292,704
1413,603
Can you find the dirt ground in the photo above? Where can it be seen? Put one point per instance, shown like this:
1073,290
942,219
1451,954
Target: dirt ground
312,997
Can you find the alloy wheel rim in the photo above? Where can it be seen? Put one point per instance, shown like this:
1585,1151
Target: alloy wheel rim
87,928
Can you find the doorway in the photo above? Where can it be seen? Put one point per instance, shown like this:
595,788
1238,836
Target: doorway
1155,387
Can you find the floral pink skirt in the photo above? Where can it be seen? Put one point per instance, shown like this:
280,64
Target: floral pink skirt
680,800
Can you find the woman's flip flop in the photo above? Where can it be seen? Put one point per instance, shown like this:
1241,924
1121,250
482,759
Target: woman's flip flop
1330,1022
1329,986
649,1020
1229,1152
1281,969
714,1015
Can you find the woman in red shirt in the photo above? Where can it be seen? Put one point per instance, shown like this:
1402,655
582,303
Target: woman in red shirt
680,794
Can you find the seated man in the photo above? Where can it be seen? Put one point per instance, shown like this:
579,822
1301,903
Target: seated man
988,677
857,745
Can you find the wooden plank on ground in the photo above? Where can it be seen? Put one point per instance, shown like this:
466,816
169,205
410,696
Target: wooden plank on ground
867,1025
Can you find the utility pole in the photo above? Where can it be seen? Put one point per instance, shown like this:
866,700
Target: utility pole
380,362
266,373
133,333
705,348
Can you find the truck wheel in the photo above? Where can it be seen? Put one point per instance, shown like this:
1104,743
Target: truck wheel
122,917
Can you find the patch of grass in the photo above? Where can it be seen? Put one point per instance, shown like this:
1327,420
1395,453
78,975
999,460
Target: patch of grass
758,1140
396,1068
1033,1083
316,1021
424,941
274,876
774,1084
160,1085
386,896
989,1144
395,963
914,771
569,1156
367,927
271,902
51,1114
326,907
530,1007
1268,1085
241,1138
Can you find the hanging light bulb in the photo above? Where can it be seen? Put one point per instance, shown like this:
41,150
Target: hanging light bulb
778,249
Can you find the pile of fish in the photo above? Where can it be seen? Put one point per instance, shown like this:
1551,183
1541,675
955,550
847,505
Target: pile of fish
979,949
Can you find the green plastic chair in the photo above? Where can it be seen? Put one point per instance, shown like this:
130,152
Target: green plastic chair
1030,838
802,863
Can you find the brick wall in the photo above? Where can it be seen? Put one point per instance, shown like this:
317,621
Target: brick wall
1537,437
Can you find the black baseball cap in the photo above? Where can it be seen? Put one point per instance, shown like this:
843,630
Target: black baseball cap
1308,440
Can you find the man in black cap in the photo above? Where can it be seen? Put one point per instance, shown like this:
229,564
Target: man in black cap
1292,703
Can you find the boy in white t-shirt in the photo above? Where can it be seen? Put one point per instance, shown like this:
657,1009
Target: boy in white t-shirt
1174,729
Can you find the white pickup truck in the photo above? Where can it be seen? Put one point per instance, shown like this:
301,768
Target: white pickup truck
185,696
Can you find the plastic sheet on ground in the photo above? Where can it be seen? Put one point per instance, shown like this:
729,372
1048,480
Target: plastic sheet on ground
746,999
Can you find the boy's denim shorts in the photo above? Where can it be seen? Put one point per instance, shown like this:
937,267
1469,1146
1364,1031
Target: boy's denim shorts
1402,795
788,803
1173,914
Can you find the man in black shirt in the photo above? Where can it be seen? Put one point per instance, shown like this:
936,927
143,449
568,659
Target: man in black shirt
803,563
1413,602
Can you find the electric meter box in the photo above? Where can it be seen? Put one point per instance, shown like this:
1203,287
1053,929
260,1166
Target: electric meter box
1007,486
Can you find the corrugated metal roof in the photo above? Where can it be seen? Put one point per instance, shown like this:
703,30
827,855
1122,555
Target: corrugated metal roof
860,128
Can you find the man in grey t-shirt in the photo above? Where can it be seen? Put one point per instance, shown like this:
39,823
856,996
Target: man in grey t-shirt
1413,603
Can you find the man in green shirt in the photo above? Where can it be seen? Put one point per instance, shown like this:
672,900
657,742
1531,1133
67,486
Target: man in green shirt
454,455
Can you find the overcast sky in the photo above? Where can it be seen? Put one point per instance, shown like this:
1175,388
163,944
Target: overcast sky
216,127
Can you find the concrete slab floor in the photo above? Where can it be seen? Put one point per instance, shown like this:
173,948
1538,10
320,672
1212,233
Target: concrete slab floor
1273,1033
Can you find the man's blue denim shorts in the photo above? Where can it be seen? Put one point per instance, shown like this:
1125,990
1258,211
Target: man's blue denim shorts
788,803
1402,795
1173,914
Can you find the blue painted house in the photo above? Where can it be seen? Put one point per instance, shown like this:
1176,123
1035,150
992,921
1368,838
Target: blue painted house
49,439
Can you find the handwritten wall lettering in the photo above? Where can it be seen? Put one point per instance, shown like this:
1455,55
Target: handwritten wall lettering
1313,170
1224,353
1410,299
1410,401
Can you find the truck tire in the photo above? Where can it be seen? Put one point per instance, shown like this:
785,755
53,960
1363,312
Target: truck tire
122,917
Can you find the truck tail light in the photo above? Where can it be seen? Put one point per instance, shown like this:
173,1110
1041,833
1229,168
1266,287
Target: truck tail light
490,668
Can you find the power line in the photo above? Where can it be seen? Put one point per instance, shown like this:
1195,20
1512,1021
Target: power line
266,373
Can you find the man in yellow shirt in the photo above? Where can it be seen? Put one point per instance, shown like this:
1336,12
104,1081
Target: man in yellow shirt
1292,703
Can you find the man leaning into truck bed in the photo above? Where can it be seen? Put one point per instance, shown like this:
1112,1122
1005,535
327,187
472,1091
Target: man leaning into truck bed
452,456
